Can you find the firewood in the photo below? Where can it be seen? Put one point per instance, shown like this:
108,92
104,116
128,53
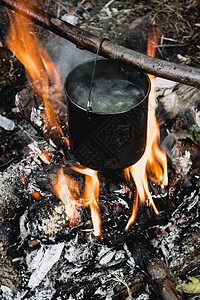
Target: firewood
161,276
85,40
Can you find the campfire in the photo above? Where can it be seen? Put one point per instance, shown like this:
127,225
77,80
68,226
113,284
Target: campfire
115,230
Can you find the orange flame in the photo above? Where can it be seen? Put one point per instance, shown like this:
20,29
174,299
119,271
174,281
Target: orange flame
66,189
22,41
91,196
40,70
45,157
36,195
154,159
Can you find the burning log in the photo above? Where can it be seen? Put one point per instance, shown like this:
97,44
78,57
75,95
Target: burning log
87,41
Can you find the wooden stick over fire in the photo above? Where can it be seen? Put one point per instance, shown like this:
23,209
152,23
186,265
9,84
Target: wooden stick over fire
87,41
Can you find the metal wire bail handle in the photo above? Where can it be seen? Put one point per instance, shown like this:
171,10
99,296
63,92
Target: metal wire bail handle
89,102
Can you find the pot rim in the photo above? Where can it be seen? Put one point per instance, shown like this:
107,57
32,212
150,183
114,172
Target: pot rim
106,113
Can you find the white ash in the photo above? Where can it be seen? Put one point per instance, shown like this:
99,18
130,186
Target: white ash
69,273
143,296
71,266
121,201
80,294
166,241
17,102
105,256
169,236
51,225
52,143
8,180
110,257
131,260
181,159
99,291
70,19
46,257
71,298
23,230
6,123
36,116
185,162
78,254
39,295
7,293
193,203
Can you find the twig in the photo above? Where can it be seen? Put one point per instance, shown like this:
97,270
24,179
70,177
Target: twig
120,280
171,45
108,4
6,163
61,5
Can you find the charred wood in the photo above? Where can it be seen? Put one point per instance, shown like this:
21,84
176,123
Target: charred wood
90,42
162,278
135,287
32,109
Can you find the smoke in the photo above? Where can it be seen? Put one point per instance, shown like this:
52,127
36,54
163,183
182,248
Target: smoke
69,57
66,56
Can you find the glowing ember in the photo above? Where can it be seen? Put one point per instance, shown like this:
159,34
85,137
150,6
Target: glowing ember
36,195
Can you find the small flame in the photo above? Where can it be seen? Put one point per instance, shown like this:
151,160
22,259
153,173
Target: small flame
40,70
154,160
66,189
91,196
45,157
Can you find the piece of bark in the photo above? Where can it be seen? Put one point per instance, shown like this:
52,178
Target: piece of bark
179,100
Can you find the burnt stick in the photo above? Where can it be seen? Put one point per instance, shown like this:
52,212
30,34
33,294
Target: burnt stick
147,259
87,41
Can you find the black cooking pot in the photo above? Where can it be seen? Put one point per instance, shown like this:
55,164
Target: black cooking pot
107,141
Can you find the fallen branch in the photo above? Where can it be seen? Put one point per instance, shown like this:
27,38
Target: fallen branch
163,280
87,41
